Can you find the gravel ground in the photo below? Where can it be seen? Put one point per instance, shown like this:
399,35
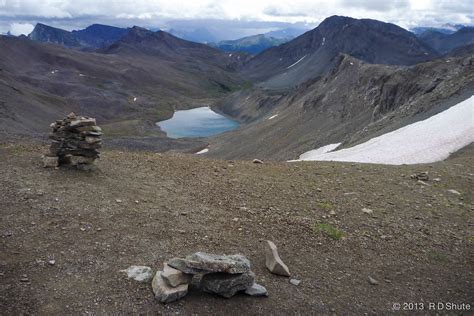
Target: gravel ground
142,208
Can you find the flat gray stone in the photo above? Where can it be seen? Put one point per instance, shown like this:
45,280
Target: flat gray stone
201,262
256,290
165,293
225,284
175,277
273,261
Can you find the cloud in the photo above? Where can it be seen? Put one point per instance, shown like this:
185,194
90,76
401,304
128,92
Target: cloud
71,14
21,28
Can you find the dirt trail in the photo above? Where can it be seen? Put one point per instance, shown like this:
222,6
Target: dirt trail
144,208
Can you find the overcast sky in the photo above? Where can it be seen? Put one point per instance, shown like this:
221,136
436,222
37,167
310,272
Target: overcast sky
19,16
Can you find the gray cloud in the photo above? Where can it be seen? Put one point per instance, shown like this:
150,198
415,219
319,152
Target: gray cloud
74,14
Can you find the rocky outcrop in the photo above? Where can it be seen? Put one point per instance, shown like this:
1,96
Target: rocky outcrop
75,142
217,274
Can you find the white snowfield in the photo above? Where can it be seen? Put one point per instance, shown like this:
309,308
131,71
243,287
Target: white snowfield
426,141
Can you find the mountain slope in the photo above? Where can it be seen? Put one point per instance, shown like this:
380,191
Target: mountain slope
426,141
314,53
41,82
445,43
352,103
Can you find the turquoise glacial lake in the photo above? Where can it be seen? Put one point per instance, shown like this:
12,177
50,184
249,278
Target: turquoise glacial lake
198,122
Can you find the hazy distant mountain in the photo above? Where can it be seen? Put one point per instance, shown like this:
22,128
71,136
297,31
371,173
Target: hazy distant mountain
314,53
198,35
286,33
444,43
445,29
250,44
94,36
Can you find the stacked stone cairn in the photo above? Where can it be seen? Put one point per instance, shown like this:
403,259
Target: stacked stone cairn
217,274
75,142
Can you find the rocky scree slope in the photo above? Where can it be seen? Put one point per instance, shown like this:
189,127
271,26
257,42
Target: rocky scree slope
352,103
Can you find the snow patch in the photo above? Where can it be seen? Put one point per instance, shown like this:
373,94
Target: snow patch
296,62
321,150
426,141
230,55
134,99
205,150
54,71
82,75
352,63
324,41
272,117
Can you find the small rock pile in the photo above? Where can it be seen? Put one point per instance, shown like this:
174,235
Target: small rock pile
217,274
75,142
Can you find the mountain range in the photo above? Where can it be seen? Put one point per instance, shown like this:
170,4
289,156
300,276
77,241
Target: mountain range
94,36
344,81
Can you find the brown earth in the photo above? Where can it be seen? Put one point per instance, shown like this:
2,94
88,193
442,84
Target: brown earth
417,243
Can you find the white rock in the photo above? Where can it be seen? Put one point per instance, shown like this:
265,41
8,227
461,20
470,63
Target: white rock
273,261
454,192
372,280
295,282
367,210
138,273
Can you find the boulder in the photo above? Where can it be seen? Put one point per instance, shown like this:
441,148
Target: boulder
164,292
175,277
225,284
202,262
273,261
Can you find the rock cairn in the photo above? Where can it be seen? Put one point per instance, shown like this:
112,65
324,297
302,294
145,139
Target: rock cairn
217,274
75,142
